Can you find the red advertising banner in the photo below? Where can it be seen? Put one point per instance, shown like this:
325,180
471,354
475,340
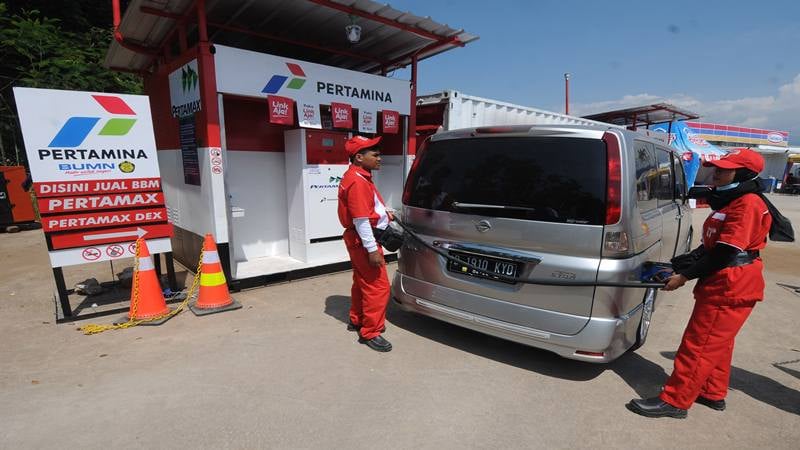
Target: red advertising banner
97,202
125,234
342,114
103,219
88,187
391,121
281,110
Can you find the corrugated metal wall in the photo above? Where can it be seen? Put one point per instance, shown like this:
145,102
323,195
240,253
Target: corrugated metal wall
774,165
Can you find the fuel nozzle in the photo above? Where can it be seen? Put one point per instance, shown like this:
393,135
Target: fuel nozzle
656,272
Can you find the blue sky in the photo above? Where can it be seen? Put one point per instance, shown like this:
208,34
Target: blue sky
733,62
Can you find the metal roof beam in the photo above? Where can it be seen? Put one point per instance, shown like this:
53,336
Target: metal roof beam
453,40
294,42
381,19
160,13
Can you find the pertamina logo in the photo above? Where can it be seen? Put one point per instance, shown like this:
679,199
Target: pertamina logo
188,79
276,82
76,129
65,149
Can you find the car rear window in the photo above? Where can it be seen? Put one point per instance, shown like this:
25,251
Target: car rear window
533,178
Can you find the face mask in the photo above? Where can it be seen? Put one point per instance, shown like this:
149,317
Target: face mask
727,187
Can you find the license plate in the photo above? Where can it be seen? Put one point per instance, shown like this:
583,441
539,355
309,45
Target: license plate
490,267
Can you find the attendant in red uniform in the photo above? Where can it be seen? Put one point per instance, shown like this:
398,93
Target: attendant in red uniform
728,268
361,208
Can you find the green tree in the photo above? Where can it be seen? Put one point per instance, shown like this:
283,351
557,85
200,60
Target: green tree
37,51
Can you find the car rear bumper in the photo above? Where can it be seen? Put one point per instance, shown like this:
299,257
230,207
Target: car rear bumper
605,339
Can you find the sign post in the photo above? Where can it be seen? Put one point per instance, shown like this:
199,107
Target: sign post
93,162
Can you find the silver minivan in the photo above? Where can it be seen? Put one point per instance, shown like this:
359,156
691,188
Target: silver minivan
571,210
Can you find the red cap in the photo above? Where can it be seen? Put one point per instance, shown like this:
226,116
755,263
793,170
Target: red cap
357,143
739,158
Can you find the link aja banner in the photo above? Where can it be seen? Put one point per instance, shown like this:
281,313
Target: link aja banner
244,72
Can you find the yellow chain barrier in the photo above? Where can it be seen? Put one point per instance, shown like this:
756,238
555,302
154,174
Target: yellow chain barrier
93,328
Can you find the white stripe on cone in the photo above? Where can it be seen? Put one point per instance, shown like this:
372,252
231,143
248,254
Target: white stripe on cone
146,263
210,257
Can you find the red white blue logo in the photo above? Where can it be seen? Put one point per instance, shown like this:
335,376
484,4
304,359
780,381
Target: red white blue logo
76,129
276,82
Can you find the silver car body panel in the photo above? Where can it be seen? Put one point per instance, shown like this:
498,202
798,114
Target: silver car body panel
564,319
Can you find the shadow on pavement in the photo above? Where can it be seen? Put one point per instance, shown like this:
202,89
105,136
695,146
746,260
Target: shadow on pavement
761,388
338,307
643,376
115,296
791,372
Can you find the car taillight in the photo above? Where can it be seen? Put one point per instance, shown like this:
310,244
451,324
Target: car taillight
613,179
410,178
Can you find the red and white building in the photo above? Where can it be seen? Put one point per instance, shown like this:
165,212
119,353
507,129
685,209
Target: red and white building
252,102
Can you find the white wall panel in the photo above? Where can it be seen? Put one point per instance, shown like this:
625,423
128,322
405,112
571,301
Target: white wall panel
257,185
189,206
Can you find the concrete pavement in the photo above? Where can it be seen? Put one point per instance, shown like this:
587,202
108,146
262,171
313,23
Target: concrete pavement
284,373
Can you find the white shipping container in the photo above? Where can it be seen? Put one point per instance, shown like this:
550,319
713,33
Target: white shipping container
466,111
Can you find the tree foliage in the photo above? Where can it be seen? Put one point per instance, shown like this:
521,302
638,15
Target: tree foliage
63,50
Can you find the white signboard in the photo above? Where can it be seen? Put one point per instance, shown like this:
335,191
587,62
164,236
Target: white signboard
95,171
308,114
366,121
184,90
244,72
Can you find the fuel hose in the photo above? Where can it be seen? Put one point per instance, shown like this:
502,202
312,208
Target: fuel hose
640,285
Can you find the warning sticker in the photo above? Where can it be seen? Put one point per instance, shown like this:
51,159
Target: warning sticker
91,254
115,251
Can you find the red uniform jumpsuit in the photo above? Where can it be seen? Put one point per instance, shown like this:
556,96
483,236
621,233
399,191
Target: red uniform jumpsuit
723,301
359,198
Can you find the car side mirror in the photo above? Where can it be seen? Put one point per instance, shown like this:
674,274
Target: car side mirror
699,192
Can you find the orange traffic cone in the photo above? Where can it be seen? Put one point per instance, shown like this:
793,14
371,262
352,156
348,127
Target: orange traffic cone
150,301
214,296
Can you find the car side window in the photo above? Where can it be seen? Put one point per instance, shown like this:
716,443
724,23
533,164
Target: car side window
645,175
665,190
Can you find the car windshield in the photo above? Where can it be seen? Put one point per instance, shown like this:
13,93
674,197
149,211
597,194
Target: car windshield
533,178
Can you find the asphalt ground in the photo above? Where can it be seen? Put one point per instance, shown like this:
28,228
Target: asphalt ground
283,372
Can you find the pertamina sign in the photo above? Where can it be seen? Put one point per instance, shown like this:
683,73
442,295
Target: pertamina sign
93,161
184,90
248,73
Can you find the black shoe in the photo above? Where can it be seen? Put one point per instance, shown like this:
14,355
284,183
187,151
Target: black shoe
718,405
351,327
655,407
378,343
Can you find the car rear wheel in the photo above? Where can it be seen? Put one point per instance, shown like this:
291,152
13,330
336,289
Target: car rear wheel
648,306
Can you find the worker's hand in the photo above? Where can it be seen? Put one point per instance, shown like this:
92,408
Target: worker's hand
674,282
376,259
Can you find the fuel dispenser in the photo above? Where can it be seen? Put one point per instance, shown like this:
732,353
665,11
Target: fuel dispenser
315,164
